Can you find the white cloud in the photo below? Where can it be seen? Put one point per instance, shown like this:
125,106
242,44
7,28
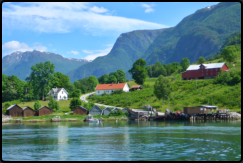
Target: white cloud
87,51
53,17
13,46
74,52
149,7
98,53
98,10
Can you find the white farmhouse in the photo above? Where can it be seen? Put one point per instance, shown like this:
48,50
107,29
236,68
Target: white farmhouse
109,88
58,94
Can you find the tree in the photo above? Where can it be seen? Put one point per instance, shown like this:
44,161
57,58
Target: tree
59,80
53,104
6,105
162,87
76,93
185,63
229,53
138,71
112,79
103,79
75,102
120,75
37,105
40,75
201,60
93,82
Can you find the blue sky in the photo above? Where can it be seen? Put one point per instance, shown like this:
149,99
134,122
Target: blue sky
84,30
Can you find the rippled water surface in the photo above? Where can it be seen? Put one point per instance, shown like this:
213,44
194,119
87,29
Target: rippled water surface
122,141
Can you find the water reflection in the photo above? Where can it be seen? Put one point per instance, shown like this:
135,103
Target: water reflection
122,140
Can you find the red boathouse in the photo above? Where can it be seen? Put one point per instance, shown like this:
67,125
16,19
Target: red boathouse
204,71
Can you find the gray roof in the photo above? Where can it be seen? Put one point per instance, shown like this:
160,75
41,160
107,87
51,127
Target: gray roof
81,107
44,106
207,66
107,109
96,107
11,106
56,90
27,107
209,106
115,109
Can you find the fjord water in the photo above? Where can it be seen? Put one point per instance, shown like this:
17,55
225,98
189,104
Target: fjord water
171,140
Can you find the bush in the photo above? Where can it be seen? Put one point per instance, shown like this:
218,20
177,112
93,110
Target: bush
117,92
116,113
37,105
75,102
177,108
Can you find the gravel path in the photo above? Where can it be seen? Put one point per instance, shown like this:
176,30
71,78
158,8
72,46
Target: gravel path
82,98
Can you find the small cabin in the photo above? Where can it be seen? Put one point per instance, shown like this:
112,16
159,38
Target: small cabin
28,111
106,111
115,109
124,110
80,110
95,110
44,110
14,111
203,109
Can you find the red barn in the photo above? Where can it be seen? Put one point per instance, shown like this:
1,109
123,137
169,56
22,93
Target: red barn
204,71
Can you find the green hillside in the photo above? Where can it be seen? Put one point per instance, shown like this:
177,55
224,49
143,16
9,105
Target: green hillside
128,48
223,91
199,34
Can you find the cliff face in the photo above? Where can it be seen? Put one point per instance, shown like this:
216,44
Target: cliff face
127,49
199,34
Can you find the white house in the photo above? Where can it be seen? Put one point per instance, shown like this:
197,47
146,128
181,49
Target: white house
58,94
109,88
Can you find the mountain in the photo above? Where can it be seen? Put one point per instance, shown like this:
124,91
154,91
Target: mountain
127,49
199,34
19,63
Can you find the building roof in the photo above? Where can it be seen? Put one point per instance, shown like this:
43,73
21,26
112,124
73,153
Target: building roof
46,107
11,106
80,107
56,90
115,109
110,86
107,109
207,66
209,106
27,107
95,107
136,86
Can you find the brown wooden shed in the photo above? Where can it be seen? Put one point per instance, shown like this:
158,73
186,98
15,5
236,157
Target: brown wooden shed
44,110
203,109
28,111
14,111
80,110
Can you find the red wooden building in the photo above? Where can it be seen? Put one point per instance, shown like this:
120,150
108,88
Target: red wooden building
28,111
14,111
80,110
44,110
204,71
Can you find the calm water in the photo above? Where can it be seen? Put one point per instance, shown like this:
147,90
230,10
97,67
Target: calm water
122,141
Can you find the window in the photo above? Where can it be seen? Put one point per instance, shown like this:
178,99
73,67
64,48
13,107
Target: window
216,73
60,97
207,70
211,73
206,74
98,91
202,70
62,92
211,69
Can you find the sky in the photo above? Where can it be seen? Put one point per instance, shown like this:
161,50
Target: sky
84,30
